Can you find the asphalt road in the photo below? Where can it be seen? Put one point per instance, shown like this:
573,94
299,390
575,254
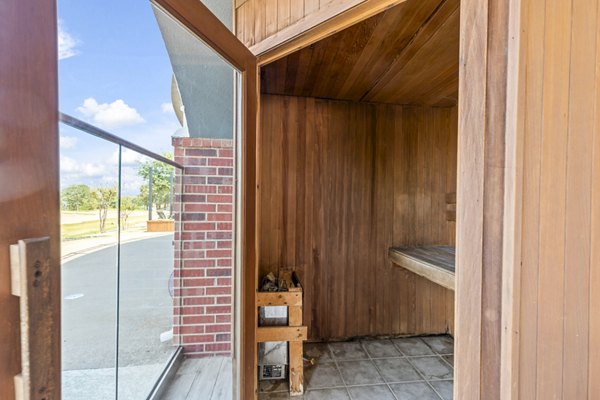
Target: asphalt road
89,312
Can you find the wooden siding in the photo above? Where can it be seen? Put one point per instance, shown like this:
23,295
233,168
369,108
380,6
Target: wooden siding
280,26
341,183
558,348
386,59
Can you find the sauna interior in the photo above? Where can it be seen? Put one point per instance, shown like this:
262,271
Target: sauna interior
358,156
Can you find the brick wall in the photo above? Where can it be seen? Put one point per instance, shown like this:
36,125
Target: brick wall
203,295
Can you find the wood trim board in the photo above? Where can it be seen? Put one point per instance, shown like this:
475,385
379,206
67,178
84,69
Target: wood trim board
326,22
278,299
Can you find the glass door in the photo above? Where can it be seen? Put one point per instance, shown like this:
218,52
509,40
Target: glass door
217,78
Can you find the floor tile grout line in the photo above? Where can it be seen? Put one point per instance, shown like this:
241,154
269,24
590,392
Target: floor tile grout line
443,357
427,381
337,367
379,371
419,372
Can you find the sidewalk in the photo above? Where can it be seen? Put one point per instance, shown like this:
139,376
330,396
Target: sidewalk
72,249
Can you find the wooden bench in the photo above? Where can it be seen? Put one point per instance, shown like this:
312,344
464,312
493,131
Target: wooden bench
436,263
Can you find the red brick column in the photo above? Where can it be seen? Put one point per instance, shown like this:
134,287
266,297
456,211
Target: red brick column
203,298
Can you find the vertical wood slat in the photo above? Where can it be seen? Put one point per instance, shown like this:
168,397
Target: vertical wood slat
296,354
494,222
469,220
270,18
283,13
346,200
594,286
551,293
533,104
578,200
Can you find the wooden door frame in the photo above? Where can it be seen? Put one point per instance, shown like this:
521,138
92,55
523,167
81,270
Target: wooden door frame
200,21
29,170
489,200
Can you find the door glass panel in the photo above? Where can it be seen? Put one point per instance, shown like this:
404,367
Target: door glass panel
89,230
146,273
209,88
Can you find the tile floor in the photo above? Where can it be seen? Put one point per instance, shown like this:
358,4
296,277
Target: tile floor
394,369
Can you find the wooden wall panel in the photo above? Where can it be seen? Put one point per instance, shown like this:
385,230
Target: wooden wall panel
282,24
341,182
558,354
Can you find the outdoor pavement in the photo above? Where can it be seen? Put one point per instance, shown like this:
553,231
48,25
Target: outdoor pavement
89,292
71,249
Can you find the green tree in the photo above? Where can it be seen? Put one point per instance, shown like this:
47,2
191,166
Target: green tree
161,182
77,198
105,198
128,205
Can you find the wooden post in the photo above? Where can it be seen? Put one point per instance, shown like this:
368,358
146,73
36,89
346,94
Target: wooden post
295,358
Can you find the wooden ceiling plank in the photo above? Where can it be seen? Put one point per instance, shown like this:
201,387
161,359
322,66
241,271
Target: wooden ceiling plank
391,36
428,33
405,55
432,41
349,52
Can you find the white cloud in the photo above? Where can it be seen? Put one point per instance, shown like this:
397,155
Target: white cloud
67,142
167,108
74,168
66,43
128,158
112,115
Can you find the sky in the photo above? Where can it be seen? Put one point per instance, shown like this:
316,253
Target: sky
114,72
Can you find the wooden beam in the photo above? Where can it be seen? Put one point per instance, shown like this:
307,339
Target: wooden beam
249,232
200,21
278,299
312,28
296,355
281,334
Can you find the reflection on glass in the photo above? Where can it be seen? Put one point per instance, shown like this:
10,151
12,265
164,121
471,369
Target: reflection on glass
203,80
89,224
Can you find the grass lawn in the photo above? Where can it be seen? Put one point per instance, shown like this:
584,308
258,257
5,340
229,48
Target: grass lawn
78,225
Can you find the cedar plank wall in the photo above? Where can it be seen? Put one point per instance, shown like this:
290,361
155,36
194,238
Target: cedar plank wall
255,20
559,332
341,182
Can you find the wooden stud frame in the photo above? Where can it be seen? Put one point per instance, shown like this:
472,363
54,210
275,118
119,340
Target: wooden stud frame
198,19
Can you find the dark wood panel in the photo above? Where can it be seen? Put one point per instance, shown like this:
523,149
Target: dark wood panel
29,202
341,183
405,55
